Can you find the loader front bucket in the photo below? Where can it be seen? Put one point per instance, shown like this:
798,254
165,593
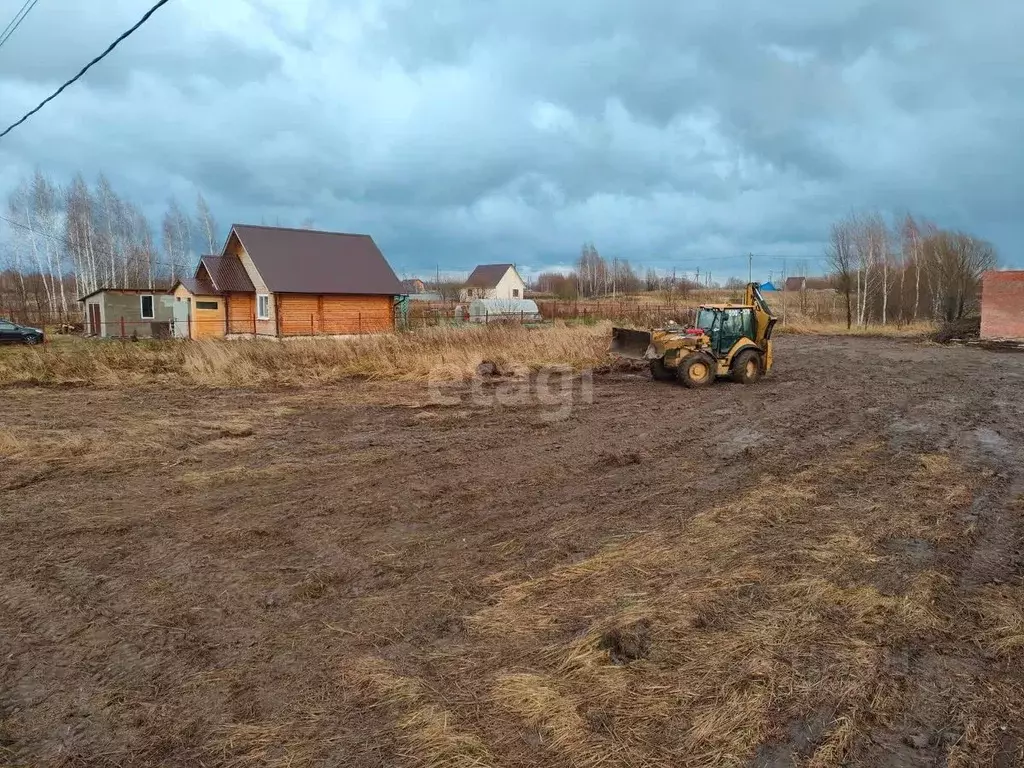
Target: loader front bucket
629,343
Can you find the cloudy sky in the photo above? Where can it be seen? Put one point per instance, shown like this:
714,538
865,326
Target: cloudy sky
675,134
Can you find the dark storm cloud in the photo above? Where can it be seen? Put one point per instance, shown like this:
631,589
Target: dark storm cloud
458,131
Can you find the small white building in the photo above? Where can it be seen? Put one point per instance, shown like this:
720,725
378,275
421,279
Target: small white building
493,281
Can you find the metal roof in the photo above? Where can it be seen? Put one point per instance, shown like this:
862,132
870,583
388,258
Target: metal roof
308,261
487,275
122,290
199,286
227,274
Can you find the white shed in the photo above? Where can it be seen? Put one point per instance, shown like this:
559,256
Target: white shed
503,310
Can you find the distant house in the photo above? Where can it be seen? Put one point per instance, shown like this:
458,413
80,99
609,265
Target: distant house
493,281
272,281
809,284
144,313
1002,305
414,285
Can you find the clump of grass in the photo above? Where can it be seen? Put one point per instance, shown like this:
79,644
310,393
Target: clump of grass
431,353
428,728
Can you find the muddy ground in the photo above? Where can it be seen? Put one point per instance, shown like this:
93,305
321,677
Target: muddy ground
823,569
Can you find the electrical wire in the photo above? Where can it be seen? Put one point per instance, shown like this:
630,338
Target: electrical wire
14,23
87,67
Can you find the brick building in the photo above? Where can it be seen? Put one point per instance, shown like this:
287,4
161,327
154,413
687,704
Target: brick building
1002,305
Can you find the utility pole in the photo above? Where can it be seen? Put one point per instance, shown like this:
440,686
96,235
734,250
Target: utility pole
784,291
750,267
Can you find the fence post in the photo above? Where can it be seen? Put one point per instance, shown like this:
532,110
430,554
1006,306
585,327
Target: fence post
312,328
485,317
122,326
360,320
254,325
190,323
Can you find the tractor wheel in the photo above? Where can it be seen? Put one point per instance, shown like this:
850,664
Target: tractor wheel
746,368
660,372
696,370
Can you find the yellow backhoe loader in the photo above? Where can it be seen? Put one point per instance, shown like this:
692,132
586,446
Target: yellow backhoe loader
728,340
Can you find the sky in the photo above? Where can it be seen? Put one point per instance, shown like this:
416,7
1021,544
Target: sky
678,135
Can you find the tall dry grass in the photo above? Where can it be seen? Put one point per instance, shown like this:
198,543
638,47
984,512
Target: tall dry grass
440,353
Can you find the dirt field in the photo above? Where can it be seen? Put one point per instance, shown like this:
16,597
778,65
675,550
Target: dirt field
822,570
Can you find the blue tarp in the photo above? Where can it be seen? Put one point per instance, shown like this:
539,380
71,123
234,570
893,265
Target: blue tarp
768,287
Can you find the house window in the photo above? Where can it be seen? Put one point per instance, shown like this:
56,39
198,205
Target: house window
263,306
206,305
515,293
146,304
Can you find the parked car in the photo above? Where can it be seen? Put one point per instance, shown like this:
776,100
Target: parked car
12,333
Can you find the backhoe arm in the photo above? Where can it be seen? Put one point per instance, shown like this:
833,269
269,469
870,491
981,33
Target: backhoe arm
764,319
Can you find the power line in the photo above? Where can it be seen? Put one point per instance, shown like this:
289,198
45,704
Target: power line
14,23
87,67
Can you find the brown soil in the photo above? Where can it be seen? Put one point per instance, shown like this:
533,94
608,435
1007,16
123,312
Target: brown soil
822,569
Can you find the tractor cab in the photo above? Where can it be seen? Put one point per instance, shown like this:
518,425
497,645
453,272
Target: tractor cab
724,325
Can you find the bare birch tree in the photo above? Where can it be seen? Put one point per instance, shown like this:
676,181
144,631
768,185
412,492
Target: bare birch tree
207,224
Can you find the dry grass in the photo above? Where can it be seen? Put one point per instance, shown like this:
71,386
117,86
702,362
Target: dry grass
433,738
431,353
700,645
439,353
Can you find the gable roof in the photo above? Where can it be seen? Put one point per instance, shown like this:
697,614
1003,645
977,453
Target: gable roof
227,274
802,283
487,275
308,261
199,285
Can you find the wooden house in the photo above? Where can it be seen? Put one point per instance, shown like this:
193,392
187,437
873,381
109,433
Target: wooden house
273,281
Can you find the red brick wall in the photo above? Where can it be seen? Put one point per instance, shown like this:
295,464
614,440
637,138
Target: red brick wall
1002,305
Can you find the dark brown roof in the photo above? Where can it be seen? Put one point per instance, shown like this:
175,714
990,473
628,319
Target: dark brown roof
487,275
227,274
199,286
308,261
808,283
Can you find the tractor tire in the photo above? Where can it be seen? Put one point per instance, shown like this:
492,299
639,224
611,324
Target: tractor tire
660,372
747,367
696,370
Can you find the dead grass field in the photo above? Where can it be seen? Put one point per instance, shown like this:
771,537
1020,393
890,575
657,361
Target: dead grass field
822,570
442,353
427,353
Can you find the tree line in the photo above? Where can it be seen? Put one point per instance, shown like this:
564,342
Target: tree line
66,240
594,275
906,270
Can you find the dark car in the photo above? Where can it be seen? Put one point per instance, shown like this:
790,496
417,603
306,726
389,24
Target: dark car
12,333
